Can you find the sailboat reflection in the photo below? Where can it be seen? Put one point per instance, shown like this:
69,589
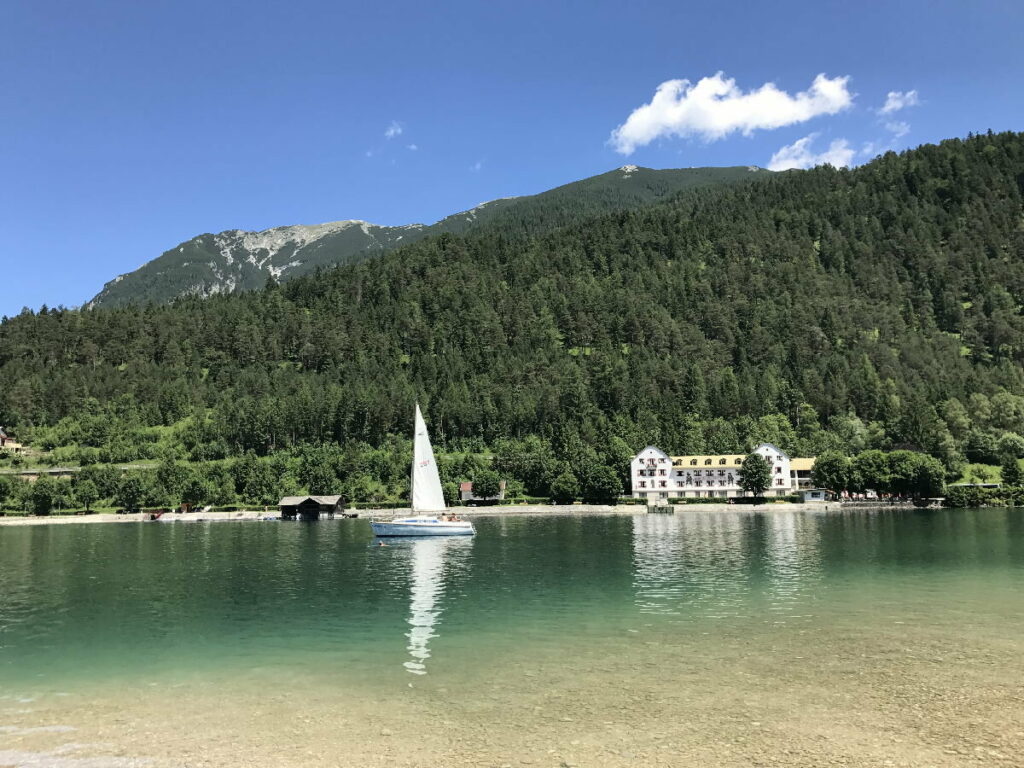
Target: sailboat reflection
428,557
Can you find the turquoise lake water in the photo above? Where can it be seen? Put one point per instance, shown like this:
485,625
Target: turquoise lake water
557,638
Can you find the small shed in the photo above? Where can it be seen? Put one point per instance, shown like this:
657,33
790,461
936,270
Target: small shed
816,494
466,493
8,443
309,507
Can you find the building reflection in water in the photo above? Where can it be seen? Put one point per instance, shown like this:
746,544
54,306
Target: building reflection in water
792,561
716,564
691,562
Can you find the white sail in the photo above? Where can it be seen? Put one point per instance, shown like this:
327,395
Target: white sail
426,483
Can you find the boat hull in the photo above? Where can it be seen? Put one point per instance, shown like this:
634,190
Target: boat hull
422,528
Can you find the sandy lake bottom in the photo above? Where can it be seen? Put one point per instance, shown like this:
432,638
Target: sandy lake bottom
888,639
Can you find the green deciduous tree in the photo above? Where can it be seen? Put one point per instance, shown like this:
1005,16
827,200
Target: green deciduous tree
834,471
755,474
486,484
131,491
6,490
86,493
601,485
44,495
565,488
1010,444
872,471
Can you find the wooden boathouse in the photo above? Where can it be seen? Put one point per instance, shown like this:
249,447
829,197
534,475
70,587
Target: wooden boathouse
309,507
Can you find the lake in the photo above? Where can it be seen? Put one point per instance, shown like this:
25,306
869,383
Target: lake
712,639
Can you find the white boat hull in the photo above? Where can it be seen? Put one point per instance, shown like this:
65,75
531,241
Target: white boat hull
427,526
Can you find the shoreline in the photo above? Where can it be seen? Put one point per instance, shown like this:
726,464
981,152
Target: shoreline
545,510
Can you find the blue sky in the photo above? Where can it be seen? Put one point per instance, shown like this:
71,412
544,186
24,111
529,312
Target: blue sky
128,127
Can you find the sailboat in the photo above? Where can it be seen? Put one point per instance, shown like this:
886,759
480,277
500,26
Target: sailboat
429,518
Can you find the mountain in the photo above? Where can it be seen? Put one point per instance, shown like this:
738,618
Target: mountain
827,310
237,260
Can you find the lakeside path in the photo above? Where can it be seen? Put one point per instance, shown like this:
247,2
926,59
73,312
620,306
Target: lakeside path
546,510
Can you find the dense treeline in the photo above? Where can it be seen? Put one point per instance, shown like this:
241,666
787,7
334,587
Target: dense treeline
875,308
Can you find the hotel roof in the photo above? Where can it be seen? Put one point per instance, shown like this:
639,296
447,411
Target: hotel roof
732,458
735,459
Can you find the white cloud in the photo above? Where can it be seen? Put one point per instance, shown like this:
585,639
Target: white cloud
393,130
898,128
411,147
475,167
715,107
897,100
800,155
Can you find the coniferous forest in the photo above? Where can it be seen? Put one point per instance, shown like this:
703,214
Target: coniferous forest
821,310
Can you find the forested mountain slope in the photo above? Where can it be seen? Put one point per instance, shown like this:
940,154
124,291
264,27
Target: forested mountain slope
236,260
875,307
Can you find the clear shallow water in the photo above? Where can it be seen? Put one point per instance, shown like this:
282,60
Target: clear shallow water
650,624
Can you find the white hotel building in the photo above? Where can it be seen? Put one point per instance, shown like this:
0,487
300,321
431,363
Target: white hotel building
655,475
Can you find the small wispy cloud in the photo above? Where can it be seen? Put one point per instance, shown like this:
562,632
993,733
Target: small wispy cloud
715,107
799,154
475,167
411,147
897,128
897,100
393,130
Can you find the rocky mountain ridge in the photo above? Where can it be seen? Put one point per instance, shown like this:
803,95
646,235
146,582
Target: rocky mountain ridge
239,260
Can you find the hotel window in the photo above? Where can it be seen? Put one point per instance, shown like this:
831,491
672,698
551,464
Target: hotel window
721,473
643,484
707,462
693,462
778,470
662,484
721,461
661,472
698,483
778,482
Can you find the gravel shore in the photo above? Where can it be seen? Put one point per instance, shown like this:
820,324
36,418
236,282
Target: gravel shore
520,509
